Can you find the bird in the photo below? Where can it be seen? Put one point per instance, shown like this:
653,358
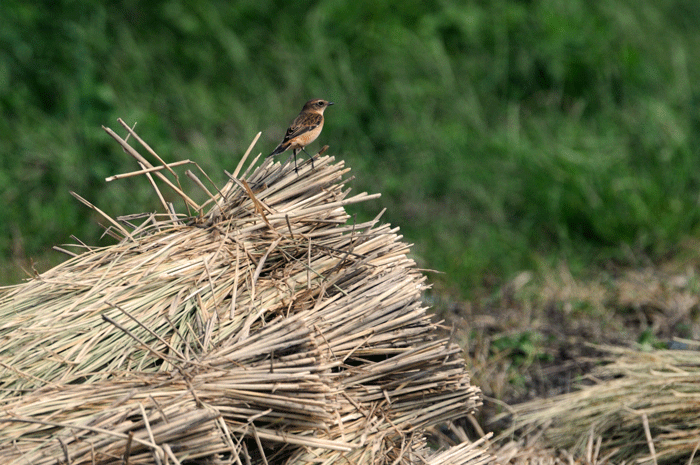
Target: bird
304,129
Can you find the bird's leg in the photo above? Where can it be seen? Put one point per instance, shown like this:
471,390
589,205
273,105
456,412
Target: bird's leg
310,157
296,170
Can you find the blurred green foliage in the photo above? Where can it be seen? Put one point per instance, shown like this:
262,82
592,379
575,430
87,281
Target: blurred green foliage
523,349
501,133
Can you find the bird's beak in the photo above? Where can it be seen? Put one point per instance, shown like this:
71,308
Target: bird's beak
331,103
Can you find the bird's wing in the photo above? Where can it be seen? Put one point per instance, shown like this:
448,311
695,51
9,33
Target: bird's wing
305,122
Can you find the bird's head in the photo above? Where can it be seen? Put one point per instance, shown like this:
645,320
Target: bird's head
317,105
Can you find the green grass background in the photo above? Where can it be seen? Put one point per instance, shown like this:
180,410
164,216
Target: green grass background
502,134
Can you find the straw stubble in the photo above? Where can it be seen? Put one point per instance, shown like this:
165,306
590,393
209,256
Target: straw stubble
265,329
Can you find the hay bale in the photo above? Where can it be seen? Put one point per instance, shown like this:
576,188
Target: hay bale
260,327
644,407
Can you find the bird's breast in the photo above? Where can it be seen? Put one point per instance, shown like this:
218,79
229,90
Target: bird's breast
302,140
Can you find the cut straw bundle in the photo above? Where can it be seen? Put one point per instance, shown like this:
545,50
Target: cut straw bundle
264,330
645,406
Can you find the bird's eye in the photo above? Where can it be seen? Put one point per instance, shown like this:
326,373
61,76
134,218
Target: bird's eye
319,104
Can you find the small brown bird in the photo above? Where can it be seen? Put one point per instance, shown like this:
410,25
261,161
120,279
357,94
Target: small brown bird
304,129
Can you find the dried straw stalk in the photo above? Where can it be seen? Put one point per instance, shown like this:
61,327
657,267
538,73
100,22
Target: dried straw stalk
644,405
264,330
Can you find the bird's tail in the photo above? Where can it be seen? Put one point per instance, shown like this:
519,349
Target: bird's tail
280,148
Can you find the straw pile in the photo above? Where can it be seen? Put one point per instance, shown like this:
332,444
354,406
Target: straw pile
260,327
644,406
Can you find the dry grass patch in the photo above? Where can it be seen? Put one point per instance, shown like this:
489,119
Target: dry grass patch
645,406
